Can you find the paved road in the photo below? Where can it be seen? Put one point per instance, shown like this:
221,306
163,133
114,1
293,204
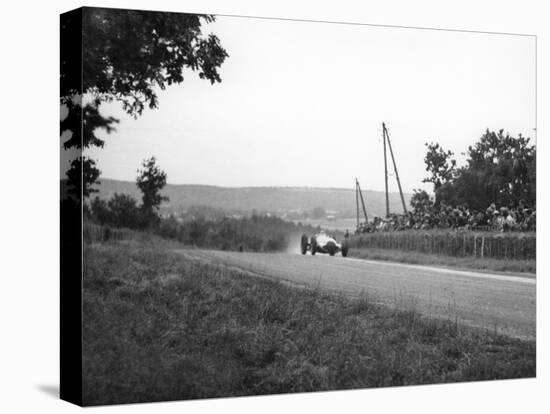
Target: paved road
495,301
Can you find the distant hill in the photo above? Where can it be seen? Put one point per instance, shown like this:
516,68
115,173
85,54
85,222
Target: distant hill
264,199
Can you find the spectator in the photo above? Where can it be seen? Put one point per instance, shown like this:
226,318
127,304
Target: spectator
520,218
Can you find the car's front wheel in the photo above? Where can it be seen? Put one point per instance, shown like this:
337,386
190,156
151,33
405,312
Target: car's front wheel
344,249
304,244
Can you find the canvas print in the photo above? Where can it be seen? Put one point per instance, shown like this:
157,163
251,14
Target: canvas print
257,206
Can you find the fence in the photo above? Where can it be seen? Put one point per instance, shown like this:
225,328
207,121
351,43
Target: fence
453,243
94,233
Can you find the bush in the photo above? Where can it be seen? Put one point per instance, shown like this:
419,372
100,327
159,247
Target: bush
121,210
254,233
201,226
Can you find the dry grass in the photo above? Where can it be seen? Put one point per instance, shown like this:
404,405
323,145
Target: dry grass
158,327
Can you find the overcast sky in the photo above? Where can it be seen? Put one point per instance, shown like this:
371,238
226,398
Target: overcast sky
301,104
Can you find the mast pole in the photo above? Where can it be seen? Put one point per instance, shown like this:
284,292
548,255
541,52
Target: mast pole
396,173
362,203
386,170
357,201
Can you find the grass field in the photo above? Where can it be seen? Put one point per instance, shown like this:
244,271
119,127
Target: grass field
158,327
490,264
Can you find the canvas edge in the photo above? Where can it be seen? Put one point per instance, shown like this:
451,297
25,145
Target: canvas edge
70,373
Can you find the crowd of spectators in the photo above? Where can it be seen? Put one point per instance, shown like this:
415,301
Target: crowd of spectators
519,218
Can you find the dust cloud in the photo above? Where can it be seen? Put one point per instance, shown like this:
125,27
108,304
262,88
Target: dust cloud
294,244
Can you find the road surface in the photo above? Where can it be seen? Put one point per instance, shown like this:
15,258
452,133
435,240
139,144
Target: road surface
497,301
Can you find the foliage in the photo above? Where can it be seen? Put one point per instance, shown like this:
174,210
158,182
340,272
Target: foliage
440,165
126,56
121,210
421,202
82,171
124,210
151,180
255,233
128,53
99,210
202,227
499,169
504,166
81,124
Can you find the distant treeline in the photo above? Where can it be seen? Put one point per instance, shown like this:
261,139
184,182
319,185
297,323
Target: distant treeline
298,203
258,233
201,226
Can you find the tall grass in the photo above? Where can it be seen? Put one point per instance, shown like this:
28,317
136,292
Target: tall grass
158,327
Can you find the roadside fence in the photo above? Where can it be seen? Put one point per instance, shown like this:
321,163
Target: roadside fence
453,243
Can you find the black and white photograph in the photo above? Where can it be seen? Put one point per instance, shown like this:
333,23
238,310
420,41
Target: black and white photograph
274,206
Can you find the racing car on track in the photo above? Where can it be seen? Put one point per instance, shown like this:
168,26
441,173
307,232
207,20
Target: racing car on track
323,243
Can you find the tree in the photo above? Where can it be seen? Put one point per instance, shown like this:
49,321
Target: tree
100,211
82,171
126,56
421,202
121,210
151,180
505,167
499,169
124,211
440,165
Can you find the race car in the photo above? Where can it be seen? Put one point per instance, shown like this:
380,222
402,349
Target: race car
322,243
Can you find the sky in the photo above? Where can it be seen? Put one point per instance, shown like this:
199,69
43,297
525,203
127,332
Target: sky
302,104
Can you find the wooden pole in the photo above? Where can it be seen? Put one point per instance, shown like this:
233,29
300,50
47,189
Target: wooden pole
395,169
386,171
362,202
357,201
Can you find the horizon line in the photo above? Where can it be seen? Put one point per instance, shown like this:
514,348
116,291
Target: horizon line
254,186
